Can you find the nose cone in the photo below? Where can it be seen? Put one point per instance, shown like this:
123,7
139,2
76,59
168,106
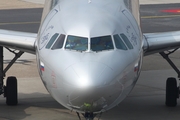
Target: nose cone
95,99
93,86
88,74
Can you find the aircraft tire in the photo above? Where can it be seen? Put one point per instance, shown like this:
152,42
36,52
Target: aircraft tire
171,92
11,91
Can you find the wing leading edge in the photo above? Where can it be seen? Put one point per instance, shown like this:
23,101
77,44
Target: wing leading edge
22,41
159,42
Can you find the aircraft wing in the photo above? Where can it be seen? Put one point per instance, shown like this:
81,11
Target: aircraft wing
18,40
159,42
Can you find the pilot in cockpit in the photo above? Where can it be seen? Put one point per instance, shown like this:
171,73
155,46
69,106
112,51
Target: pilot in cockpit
70,44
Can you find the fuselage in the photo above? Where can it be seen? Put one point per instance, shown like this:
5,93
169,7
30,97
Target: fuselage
89,52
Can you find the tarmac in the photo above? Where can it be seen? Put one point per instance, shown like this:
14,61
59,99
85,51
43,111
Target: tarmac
18,4
158,1
141,1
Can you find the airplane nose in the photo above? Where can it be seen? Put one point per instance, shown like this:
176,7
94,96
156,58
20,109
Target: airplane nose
95,99
93,87
88,74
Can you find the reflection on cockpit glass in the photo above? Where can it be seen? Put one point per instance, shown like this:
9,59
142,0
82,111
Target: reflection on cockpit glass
101,43
51,41
59,42
119,43
76,43
126,40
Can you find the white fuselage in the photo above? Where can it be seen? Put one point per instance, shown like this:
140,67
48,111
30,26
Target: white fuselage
86,79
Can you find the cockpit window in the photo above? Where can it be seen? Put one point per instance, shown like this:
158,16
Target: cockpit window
119,43
59,43
51,41
126,40
76,43
101,43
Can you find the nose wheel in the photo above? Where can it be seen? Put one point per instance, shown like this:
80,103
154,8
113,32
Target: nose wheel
87,116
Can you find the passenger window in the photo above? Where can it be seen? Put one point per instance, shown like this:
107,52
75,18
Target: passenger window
119,43
126,40
101,43
59,42
51,41
76,43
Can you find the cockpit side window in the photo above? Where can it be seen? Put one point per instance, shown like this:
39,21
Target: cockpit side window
76,43
59,42
51,41
119,43
126,40
101,43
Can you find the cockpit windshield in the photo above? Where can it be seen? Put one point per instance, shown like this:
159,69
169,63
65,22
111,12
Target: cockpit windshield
101,43
76,43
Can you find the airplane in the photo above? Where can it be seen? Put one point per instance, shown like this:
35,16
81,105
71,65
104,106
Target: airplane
89,54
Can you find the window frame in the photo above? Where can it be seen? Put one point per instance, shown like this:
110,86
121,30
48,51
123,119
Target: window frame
66,40
128,43
51,41
57,40
100,37
124,44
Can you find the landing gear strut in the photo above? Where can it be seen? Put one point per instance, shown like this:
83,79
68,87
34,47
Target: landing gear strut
10,90
172,91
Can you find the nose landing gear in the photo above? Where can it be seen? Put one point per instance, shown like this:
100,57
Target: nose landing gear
87,116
